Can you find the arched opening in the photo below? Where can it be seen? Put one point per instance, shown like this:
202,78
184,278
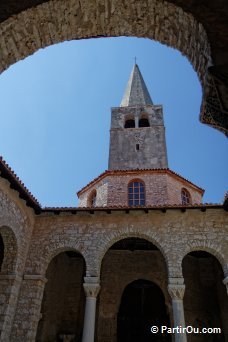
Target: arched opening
39,69
144,122
62,310
136,193
92,201
170,25
142,306
8,251
127,261
185,197
205,298
129,123
1,251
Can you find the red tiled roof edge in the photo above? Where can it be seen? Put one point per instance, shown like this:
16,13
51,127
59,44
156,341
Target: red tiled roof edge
201,206
110,172
16,184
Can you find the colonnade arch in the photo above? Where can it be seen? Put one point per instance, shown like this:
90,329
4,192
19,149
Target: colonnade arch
56,21
126,261
205,298
62,309
110,239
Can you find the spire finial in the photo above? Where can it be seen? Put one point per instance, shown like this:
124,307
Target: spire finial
135,60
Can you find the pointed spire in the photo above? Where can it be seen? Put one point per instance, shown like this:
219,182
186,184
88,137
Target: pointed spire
136,92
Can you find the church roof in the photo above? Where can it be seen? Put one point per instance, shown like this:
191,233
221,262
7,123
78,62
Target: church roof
136,92
16,184
138,172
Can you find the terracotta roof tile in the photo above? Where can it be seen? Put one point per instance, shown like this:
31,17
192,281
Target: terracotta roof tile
18,185
113,172
121,207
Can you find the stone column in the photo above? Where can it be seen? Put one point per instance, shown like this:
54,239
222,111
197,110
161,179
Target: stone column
92,288
225,282
176,290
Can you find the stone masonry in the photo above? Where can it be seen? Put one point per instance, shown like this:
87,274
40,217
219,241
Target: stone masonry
65,271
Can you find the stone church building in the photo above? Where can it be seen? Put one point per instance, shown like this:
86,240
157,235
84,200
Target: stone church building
140,251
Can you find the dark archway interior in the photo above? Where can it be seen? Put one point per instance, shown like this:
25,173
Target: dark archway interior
129,123
1,251
64,300
144,122
126,260
205,299
142,306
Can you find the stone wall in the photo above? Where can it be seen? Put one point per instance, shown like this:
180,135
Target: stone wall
120,268
150,152
174,187
91,233
101,189
16,226
161,188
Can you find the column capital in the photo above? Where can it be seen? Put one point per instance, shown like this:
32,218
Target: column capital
176,291
225,282
91,289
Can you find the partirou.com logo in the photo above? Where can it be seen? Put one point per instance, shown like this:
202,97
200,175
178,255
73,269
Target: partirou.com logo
163,329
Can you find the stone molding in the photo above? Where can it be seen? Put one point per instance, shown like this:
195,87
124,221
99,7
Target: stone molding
37,277
15,277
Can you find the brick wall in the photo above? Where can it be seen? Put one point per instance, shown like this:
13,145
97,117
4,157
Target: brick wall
160,188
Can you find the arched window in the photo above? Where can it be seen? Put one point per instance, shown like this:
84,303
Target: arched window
129,123
92,199
144,122
185,197
136,193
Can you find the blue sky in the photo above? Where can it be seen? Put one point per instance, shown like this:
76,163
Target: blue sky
55,115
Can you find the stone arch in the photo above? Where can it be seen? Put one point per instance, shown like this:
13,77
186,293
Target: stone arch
145,277
131,258
129,121
51,252
148,308
63,299
212,249
114,237
55,21
144,120
92,198
205,298
10,257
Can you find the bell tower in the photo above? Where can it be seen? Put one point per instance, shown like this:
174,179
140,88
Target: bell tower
137,134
